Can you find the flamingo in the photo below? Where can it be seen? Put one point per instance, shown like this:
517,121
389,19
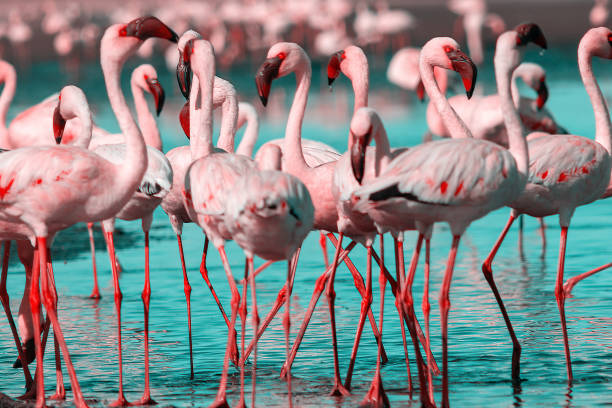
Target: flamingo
454,181
269,215
565,172
599,13
8,76
209,178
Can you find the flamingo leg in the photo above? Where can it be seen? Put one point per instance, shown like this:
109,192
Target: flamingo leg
60,391
261,268
220,400
255,320
146,301
287,322
571,282
187,290
399,269
204,272
4,298
323,244
520,234
48,295
95,293
488,274
414,261
121,401
426,309
543,234
366,302
318,290
359,285
242,312
376,396
560,295
444,302
35,308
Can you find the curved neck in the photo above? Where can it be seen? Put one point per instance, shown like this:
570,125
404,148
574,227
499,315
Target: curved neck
383,149
200,108
10,82
146,120
361,87
135,162
229,117
514,89
292,148
456,128
514,126
602,116
249,138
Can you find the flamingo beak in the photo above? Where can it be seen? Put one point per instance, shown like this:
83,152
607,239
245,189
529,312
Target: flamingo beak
158,93
59,123
149,27
183,69
357,154
268,71
420,91
184,119
530,32
542,95
333,67
462,64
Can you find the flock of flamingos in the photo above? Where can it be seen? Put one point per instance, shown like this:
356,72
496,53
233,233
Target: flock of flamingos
58,168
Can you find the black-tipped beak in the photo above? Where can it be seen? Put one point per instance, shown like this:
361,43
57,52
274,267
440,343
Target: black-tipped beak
158,94
149,27
184,119
420,91
357,152
267,72
530,32
333,67
542,95
59,123
462,64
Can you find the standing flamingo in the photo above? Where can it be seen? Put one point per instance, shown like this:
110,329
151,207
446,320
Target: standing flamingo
565,172
454,181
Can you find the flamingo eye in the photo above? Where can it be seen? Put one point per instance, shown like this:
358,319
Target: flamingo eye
282,55
448,48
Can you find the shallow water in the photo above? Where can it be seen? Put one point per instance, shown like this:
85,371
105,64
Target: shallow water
479,346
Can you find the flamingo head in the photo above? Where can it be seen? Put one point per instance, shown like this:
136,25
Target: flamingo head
72,103
598,42
145,77
333,66
364,125
183,68
444,52
282,59
148,27
351,61
530,32
184,118
534,76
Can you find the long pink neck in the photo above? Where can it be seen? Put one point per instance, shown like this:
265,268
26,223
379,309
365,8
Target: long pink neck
146,120
361,87
249,138
10,82
456,128
229,117
602,116
292,149
200,106
135,163
383,148
517,144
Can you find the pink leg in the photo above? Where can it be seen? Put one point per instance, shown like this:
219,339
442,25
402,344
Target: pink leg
262,267
323,244
242,312
426,308
204,272
359,285
7,310
543,234
318,290
48,294
146,301
488,274
399,271
571,282
255,320
376,396
444,302
520,234
60,392
35,308
220,400
95,293
121,401
287,326
187,290
560,295
330,293
366,302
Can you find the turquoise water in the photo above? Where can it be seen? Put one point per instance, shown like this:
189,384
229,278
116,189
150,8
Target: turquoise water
479,347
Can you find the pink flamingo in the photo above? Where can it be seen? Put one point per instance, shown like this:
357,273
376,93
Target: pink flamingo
568,170
8,76
454,181
282,59
269,215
